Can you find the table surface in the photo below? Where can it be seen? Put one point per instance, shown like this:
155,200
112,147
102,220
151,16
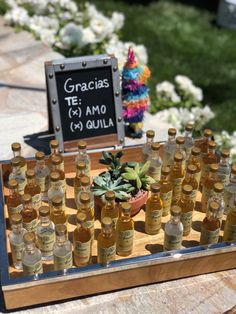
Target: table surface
23,111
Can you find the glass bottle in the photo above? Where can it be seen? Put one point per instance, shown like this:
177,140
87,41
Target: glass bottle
85,207
173,230
195,159
207,160
208,186
153,211
169,148
56,166
33,189
176,177
29,214
207,135
85,187
189,142
16,240
45,233
154,170
54,146
14,202
57,213
191,180
224,167
80,173
230,224
166,190
82,241
42,174
110,209
187,206
31,256
55,189
62,250
230,188
124,231
17,174
106,245
83,156
146,149
16,149
218,197
180,148
210,229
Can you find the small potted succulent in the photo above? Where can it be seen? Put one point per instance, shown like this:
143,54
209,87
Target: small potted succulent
129,181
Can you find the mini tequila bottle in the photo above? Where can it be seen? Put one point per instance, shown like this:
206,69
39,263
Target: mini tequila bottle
207,135
180,148
208,159
16,149
173,230
189,142
55,189
176,177
54,146
29,214
125,231
85,207
208,185
85,187
56,166
45,233
62,250
17,174
187,206
218,197
110,209
153,211
82,241
31,256
83,156
169,148
16,240
106,243
154,170
210,229
80,173
230,224
166,190
42,174
195,159
14,202
224,167
57,213
146,149
191,180
33,189
230,189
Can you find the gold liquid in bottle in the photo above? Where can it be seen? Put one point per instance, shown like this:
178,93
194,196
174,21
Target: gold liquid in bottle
33,189
180,141
110,209
42,174
153,212
14,202
224,167
125,231
169,148
17,174
85,207
208,186
56,166
166,190
195,159
57,214
230,224
218,197
173,230
16,149
207,135
207,160
146,149
189,142
55,189
187,206
80,173
106,243
85,187
82,242
29,214
154,170
191,180
210,229
54,146
230,189
83,156
176,177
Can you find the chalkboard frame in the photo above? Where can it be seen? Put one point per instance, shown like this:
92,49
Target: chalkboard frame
76,64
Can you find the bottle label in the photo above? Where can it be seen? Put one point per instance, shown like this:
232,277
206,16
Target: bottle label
62,262
82,251
208,237
186,219
16,251
227,199
125,240
46,241
153,220
172,242
43,182
15,210
229,232
177,189
30,226
36,268
155,173
36,201
166,199
106,254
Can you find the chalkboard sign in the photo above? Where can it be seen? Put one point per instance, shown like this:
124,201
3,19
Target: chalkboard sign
85,102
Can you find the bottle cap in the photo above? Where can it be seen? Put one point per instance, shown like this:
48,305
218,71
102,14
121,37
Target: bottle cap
211,144
81,165
12,184
187,189
125,207
56,160
85,181
29,237
15,162
224,152
106,222
178,156
80,217
109,195
218,187
54,144
213,206
155,146
175,210
207,133
155,187
26,198
195,151
60,230
180,140
16,219
15,147
84,197
150,133
165,170
57,200
214,167
44,211
39,156
189,127
30,174
233,169
172,131
55,176
82,144
191,169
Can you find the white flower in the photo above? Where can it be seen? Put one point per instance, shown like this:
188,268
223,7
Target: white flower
17,16
195,92
186,85
72,35
101,26
202,116
69,5
117,20
166,90
47,36
140,53
91,10
88,36
183,81
39,24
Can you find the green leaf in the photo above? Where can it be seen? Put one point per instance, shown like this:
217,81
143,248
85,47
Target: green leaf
144,169
138,183
129,176
136,168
